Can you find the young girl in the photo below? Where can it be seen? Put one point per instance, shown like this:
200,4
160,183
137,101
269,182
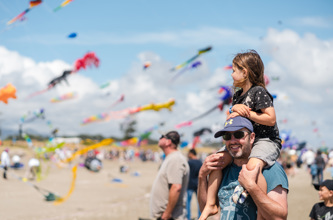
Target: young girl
253,101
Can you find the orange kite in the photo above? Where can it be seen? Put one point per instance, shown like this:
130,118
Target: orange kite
7,92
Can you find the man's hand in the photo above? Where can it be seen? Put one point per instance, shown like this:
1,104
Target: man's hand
247,178
166,216
212,162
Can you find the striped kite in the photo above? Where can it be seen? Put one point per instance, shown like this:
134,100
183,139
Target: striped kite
127,112
192,59
62,5
20,16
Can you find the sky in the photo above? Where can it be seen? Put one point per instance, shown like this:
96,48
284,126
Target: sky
294,39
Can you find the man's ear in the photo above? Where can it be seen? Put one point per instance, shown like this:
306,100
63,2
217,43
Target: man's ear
252,136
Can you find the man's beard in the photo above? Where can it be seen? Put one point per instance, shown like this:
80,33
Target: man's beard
241,153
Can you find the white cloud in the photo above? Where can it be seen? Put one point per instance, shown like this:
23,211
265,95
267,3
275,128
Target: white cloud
301,62
305,60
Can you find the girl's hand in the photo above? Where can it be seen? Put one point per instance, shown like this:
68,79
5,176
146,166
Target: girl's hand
242,110
232,115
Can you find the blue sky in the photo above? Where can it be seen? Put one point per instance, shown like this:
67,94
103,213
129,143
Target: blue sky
293,38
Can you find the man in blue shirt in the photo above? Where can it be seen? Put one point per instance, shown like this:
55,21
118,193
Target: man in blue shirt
272,204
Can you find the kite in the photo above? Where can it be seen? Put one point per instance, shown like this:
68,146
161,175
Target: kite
89,59
49,196
130,141
192,66
72,35
197,135
226,93
95,118
148,132
62,5
60,200
50,149
146,65
155,107
104,85
192,59
266,80
121,99
20,16
229,67
202,131
31,116
7,92
27,138
127,112
89,148
64,97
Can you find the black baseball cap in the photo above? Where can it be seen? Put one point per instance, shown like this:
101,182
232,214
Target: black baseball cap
327,183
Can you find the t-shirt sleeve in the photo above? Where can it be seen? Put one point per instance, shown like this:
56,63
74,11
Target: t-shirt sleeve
262,98
175,172
275,176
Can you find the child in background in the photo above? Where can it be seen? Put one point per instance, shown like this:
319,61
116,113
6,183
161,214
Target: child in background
323,210
253,101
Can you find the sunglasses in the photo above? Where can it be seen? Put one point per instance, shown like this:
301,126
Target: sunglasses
237,134
166,137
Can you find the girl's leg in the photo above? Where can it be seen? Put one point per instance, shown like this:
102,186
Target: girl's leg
214,182
261,181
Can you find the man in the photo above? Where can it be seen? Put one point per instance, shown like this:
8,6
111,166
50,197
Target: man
168,194
239,138
195,165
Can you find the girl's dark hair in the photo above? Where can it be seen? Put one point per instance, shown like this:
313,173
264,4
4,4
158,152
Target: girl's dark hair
252,62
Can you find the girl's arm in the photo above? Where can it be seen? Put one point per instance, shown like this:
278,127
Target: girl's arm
267,117
241,109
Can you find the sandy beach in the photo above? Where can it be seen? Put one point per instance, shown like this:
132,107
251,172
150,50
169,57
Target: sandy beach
97,197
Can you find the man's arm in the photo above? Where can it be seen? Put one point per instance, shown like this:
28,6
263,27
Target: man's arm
212,162
174,193
273,205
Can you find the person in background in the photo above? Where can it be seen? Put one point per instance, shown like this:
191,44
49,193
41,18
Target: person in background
195,165
323,210
320,162
5,162
168,194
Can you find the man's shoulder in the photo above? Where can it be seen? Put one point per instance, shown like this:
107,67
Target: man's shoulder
195,162
275,176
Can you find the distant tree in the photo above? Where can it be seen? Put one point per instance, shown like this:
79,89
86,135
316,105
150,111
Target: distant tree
128,129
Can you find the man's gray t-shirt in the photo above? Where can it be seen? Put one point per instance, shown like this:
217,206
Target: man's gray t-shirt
174,170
